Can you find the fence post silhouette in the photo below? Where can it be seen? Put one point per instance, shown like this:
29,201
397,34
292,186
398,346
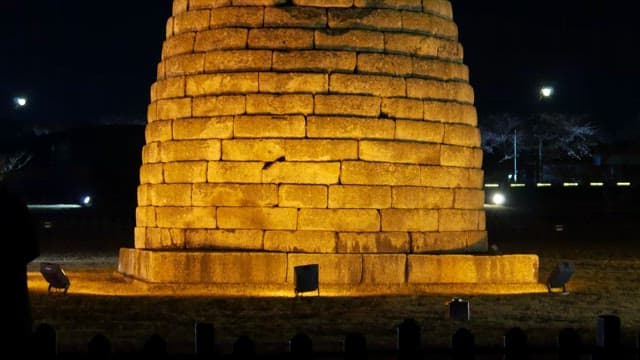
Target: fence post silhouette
409,339
99,347
355,346
44,341
463,345
244,348
301,346
515,344
608,337
569,344
204,339
155,346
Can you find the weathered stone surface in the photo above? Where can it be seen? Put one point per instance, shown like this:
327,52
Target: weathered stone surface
267,126
178,45
325,3
339,219
185,172
191,21
426,131
428,24
237,16
378,19
252,150
173,108
186,217
359,197
409,219
234,172
333,268
151,153
146,216
418,197
252,195
379,173
384,268
299,17
203,128
439,7
300,241
403,108
221,39
293,83
302,173
452,155
151,174
449,177
218,84
450,112
280,39
391,4
373,242
302,196
208,4
351,40
158,131
224,239
219,105
422,45
170,194
185,150
320,150
385,86
469,199
440,90
257,218
401,152
314,61
279,104
458,220
167,88
462,135
237,60
184,64
349,127
358,105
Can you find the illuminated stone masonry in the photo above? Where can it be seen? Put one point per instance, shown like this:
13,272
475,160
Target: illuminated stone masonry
336,132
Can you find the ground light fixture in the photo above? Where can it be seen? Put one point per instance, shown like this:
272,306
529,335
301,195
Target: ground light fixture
86,200
498,199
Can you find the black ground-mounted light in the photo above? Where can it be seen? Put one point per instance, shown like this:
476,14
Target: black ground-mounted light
560,276
459,310
306,278
55,276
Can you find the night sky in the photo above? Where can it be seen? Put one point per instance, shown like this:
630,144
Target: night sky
82,62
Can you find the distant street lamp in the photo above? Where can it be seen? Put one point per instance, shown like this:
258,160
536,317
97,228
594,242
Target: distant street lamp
20,101
546,92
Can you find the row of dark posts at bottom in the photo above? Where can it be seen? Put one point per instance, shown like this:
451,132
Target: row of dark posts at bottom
409,333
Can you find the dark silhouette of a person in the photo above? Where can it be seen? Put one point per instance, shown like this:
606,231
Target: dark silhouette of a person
20,245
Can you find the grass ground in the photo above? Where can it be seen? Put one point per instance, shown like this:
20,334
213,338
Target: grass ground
606,254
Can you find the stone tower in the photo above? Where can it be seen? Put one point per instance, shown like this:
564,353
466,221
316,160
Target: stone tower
336,132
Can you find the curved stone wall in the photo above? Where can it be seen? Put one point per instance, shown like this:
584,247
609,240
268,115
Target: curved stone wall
312,126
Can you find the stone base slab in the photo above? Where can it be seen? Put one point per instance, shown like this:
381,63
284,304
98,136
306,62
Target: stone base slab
272,269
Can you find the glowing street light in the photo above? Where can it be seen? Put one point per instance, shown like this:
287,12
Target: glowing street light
546,91
20,101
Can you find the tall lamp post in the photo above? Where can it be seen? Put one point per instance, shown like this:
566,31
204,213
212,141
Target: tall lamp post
545,93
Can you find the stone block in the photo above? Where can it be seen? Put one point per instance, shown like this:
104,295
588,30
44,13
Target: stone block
219,84
469,199
298,17
237,16
320,150
351,40
279,104
324,3
357,105
293,83
504,269
423,45
201,239
234,172
203,128
191,21
390,4
358,18
349,127
333,268
257,218
427,131
252,149
314,61
425,23
178,45
168,88
143,195
339,220
151,174
373,242
265,126
208,4
184,64
440,90
280,38
359,197
399,152
151,153
439,242
434,68
152,112
145,216
162,238
237,60
384,268
450,112
302,196
379,173
482,219
221,39
462,135
458,220
461,156
140,237
409,219
389,64
249,195
444,176
219,105
300,241
302,173
438,7
179,6
259,2
170,194
185,172
158,131
403,108
186,217
419,197
169,109
377,85
186,150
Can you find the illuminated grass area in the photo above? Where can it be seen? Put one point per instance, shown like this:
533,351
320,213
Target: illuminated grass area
605,282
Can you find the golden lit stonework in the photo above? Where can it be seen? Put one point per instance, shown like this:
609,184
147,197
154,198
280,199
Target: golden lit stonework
336,132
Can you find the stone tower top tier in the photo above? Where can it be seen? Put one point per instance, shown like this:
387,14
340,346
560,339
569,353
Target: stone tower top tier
312,126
